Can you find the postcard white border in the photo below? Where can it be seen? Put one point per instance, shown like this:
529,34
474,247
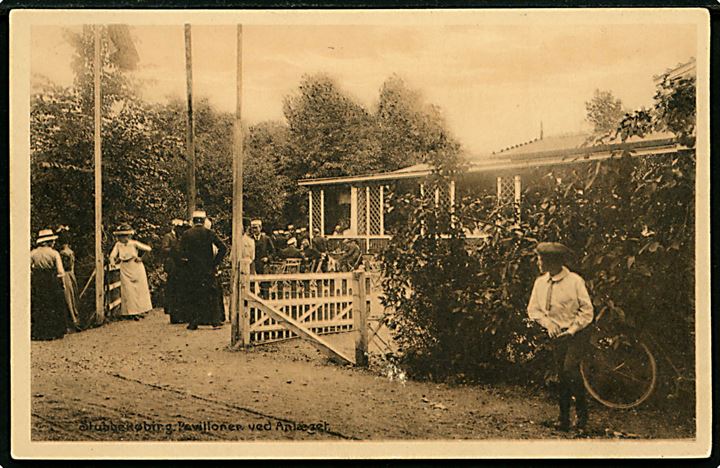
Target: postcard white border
23,448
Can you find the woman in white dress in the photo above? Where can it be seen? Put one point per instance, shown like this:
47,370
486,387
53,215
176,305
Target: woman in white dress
134,289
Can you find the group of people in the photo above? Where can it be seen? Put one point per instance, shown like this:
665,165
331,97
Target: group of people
191,253
54,291
193,291
313,253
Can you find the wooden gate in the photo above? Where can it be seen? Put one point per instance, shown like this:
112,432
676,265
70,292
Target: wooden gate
306,305
113,297
321,302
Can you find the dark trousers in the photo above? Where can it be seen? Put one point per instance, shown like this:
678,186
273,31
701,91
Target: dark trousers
569,351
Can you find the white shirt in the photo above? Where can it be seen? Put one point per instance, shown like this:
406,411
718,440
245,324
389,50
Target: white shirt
247,253
45,257
569,305
123,252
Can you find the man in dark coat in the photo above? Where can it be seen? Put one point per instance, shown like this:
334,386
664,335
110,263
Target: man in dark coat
291,251
196,247
180,312
311,257
319,242
264,247
170,243
351,255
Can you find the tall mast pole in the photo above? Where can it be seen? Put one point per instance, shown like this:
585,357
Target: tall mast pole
99,267
238,321
190,137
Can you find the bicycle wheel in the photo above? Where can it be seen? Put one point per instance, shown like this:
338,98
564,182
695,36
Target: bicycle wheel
620,372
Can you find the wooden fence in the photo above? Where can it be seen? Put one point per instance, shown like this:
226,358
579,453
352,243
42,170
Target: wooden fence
320,302
276,307
113,297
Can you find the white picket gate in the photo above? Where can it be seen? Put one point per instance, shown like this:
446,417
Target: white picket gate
320,302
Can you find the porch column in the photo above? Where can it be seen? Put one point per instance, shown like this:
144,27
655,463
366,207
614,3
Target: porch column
367,218
353,209
382,210
310,214
322,212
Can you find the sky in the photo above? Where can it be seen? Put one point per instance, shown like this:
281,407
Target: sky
495,84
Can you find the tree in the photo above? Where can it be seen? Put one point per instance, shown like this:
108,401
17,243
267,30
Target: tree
604,112
408,128
329,133
135,152
673,110
265,184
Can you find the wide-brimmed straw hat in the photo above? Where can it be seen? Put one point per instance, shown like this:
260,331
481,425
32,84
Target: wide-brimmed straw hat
124,230
45,235
255,222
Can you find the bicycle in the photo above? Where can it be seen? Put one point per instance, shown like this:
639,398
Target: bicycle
619,370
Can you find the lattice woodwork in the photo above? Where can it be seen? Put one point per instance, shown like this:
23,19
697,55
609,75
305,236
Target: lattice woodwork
506,191
317,210
509,195
361,210
443,197
375,210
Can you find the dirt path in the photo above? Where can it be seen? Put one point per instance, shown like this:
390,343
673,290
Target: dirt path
149,380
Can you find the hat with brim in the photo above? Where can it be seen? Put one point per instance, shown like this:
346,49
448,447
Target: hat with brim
255,222
177,222
199,214
45,235
124,230
292,241
555,249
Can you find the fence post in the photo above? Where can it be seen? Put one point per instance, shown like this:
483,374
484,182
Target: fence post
360,318
244,305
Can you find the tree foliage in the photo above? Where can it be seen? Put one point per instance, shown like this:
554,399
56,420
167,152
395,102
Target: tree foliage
330,134
604,112
407,127
143,157
673,111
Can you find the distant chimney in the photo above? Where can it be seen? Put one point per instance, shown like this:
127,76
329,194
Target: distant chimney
541,130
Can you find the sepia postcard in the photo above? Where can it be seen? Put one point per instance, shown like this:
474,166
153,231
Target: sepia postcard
360,233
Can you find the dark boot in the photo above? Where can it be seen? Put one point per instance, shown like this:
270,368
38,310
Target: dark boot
564,401
581,408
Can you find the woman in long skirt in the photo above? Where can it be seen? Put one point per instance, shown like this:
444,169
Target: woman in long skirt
47,315
134,289
69,280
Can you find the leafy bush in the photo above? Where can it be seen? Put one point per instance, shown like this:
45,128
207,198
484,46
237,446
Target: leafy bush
460,305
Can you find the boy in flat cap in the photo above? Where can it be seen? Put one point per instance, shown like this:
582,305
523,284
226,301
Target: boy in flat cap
561,304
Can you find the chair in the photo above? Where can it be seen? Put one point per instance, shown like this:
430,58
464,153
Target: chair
292,265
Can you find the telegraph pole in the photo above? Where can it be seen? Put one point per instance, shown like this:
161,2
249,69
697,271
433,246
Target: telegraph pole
238,313
190,137
99,267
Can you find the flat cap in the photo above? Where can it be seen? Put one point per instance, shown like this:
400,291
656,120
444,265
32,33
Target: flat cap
552,248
